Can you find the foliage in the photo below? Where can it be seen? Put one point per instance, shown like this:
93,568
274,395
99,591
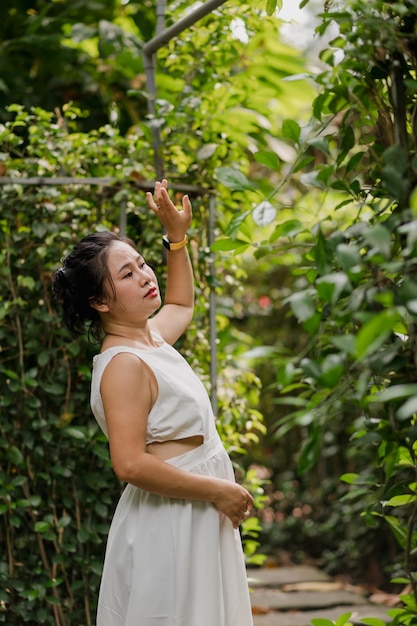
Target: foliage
86,52
356,280
90,53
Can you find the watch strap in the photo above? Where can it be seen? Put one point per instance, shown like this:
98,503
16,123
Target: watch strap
169,245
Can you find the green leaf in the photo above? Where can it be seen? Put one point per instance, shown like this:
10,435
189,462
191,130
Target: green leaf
402,500
302,304
343,620
320,621
332,368
270,159
228,244
404,457
399,531
233,179
74,432
354,161
264,213
408,409
345,343
320,144
311,449
291,130
347,255
83,535
401,580
15,456
322,255
331,286
302,163
378,238
374,333
311,368
64,521
290,228
271,6
349,478
42,527
395,392
236,223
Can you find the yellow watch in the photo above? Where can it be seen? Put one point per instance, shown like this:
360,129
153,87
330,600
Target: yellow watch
174,246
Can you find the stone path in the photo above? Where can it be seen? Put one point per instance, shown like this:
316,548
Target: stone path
293,596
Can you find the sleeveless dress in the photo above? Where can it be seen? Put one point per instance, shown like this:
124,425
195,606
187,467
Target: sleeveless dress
172,562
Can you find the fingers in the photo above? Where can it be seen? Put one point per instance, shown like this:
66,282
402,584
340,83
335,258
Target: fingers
238,519
244,509
160,197
160,200
186,206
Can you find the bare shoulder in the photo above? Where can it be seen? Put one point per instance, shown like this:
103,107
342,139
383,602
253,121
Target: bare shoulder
124,372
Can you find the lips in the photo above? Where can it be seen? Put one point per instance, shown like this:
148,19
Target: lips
152,293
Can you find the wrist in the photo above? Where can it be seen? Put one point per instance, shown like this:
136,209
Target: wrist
215,490
174,243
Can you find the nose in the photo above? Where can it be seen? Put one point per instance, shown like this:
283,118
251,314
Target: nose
144,276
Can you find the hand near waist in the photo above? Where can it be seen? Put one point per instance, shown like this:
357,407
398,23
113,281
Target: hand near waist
234,501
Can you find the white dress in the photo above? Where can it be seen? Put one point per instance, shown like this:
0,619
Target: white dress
172,562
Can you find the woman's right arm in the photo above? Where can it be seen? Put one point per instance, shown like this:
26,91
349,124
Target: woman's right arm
127,398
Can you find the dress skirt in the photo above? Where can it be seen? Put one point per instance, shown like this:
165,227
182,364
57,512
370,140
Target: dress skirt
172,562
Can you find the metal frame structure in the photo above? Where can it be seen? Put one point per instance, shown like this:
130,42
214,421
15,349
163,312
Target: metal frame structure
162,37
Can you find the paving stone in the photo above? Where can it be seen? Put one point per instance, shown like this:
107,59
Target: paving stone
284,601
279,576
293,596
303,618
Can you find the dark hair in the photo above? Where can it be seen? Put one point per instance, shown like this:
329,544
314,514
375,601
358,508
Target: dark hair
84,277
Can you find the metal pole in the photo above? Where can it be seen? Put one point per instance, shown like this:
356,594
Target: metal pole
212,310
160,16
106,181
149,67
149,64
172,31
123,219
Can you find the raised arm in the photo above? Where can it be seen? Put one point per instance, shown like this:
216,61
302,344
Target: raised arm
176,314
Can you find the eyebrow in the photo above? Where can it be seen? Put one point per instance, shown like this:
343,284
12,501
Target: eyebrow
129,264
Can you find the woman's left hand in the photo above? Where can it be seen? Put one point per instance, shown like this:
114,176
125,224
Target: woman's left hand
176,222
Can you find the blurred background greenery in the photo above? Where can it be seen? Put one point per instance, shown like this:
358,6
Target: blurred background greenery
300,124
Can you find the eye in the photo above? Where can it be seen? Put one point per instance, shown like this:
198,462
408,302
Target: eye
128,275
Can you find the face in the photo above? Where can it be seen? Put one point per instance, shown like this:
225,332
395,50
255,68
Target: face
136,293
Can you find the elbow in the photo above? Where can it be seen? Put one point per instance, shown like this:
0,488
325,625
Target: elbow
126,471
190,313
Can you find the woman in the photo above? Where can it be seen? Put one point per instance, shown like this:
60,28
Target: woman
174,555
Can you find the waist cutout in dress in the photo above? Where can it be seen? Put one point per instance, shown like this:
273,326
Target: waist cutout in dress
189,460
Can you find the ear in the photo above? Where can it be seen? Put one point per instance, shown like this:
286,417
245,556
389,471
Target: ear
99,305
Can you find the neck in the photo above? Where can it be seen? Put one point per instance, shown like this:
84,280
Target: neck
126,334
